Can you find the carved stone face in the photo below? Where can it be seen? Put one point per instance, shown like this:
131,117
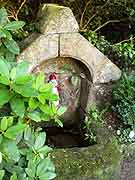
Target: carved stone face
69,82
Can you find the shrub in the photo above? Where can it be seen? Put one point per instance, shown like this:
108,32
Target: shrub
93,120
23,153
124,99
124,106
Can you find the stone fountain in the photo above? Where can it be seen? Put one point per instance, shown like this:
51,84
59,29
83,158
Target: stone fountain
82,71
60,48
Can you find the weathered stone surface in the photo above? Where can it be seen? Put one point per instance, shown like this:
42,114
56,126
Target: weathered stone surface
56,19
76,46
43,48
97,162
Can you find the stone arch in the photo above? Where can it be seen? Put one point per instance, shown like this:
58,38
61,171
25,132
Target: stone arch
75,46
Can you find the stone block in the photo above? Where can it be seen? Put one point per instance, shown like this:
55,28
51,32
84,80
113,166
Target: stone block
56,19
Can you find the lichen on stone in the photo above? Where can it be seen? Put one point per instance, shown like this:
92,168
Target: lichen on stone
100,161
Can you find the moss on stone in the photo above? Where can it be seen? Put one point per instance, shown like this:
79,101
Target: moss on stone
100,162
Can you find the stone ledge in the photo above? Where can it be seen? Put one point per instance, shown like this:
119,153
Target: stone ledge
97,162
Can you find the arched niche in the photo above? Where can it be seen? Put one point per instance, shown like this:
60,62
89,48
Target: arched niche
74,79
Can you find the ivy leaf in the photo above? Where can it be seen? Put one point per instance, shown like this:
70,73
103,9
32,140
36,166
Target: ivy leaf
14,25
4,124
12,46
13,131
40,140
4,96
17,106
2,172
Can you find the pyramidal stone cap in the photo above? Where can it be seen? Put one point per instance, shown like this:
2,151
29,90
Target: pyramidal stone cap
52,19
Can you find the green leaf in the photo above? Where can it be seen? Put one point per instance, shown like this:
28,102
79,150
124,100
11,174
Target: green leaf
44,150
51,97
46,88
40,140
4,80
48,176
59,122
4,70
44,166
33,103
4,124
25,90
0,157
40,80
2,34
10,148
13,177
61,110
4,96
41,98
14,25
17,106
31,170
35,116
1,138
3,16
2,172
10,121
12,46
46,109
22,68
12,131
13,73
23,79
7,34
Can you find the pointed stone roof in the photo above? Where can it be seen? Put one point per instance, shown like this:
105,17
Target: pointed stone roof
56,19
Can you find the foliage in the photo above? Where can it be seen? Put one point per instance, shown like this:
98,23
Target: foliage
124,106
98,41
23,153
93,120
8,47
124,99
123,135
123,52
